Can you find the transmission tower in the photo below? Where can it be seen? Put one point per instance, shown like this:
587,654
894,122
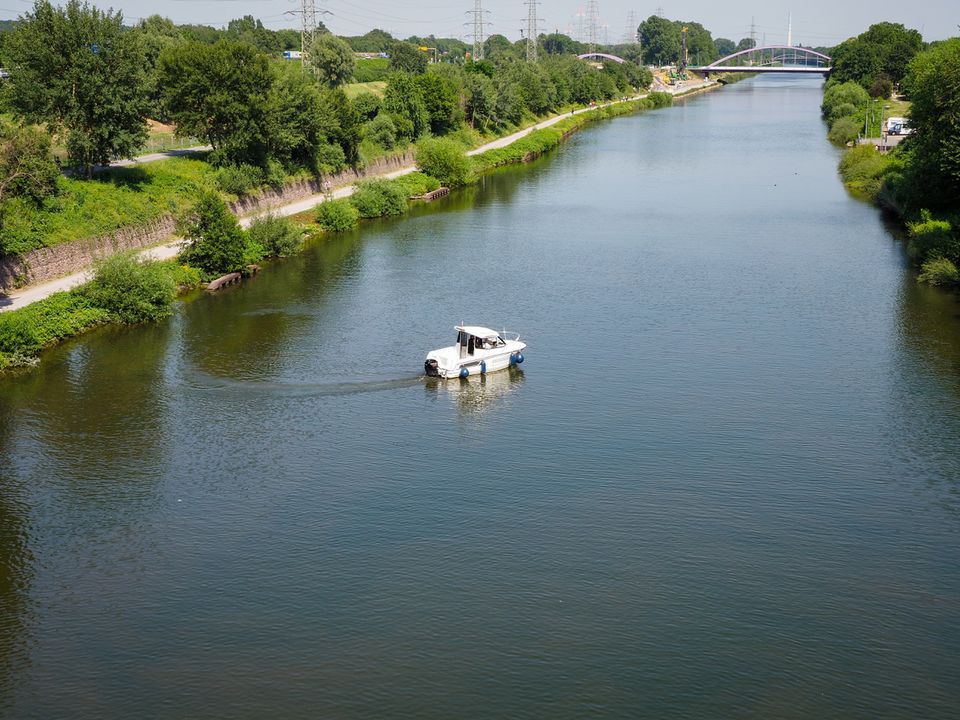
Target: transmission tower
753,32
593,24
308,30
630,34
478,25
533,30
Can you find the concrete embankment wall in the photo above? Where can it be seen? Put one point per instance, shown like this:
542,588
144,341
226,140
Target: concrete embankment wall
49,263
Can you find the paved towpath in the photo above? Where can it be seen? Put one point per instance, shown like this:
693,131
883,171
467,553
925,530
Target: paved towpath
33,293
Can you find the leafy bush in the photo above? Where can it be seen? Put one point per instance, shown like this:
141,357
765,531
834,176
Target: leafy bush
417,183
278,236
379,198
367,105
381,130
848,93
130,289
939,271
274,175
217,244
841,110
660,99
239,180
444,160
24,332
337,216
932,238
371,70
844,130
330,158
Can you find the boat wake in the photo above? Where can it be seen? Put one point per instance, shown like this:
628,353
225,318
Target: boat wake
205,381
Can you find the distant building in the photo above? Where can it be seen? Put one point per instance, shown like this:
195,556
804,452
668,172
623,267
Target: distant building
292,55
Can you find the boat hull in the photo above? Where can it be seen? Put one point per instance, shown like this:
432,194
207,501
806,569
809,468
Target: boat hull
447,364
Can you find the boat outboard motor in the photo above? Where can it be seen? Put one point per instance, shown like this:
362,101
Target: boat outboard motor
431,368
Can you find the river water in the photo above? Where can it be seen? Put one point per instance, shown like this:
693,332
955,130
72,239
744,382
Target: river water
726,482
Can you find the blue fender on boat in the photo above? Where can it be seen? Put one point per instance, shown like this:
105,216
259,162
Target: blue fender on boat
517,358
483,367
464,372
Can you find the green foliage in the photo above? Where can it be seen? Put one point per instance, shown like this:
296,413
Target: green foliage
337,215
441,100
933,238
842,94
217,245
481,101
25,332
407,58
371,70
660,40
219,93
78,68
130,289
445,160
379,198
382,131
882,52
933,85
332,59
330,158
239,180
939,271
27,169
844,130
863,169
403,101
367,105
375,41
299,119
417,183
119,198
278,236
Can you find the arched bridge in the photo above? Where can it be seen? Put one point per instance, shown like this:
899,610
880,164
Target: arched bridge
602,56
771,58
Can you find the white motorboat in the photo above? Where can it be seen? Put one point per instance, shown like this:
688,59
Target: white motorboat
478,351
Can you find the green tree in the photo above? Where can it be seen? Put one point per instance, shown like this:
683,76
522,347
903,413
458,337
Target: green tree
746,44
79,68
219,93
332,59
299,120
498,49
441,98
660,39
217,245
345,132
133,290
27,168
481,101
933,86
724,47
884,50
404,103
405,57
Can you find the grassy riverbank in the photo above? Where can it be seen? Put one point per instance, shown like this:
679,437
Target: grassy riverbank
24,333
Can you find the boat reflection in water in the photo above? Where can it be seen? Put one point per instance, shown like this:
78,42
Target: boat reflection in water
479,394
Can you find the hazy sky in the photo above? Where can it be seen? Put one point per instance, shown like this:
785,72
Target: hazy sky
815,22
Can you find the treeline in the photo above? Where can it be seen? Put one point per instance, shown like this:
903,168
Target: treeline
84,80
920,178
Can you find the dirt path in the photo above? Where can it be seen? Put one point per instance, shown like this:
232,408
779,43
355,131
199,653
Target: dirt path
33,293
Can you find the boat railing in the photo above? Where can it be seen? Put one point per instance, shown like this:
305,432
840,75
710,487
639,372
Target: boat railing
510,336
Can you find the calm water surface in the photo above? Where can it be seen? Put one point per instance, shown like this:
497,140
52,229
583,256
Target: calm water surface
724,485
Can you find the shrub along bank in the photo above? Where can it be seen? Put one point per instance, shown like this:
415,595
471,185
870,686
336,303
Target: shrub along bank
920,178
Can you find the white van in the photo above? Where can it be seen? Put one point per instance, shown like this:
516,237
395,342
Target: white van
898,126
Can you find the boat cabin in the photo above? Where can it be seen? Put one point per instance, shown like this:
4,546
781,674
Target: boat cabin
471,338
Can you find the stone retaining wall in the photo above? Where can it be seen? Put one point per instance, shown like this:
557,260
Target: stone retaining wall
46,264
